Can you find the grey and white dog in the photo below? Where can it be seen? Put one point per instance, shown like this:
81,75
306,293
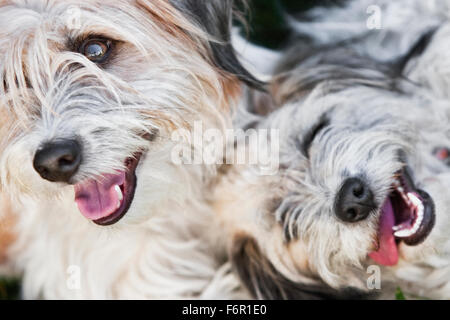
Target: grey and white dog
364,178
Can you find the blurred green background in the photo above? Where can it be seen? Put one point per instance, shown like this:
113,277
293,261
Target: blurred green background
266,27
9,289
265,19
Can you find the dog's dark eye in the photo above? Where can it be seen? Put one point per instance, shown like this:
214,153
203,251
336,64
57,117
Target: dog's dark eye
96,50
311,135
443,154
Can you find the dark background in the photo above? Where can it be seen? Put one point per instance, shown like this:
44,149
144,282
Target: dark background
265,19
266,27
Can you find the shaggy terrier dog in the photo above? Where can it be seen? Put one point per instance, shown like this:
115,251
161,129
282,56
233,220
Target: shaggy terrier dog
91,93
360,204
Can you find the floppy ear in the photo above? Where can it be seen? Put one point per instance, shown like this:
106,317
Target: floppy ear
264,282
215,17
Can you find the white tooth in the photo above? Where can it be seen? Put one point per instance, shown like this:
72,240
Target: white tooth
119,193
419,212
413,198
417,224
419,218
404,233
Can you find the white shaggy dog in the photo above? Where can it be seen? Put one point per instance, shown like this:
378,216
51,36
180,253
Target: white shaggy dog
364,165
91,93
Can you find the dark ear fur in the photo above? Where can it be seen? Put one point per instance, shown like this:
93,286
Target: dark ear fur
416,50
215,17
264,282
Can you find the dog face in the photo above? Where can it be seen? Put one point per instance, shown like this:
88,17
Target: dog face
91,93
363,180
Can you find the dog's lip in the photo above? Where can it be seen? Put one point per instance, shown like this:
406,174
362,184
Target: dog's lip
125,188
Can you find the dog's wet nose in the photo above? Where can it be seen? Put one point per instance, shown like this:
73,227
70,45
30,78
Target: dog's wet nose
354,201
58,161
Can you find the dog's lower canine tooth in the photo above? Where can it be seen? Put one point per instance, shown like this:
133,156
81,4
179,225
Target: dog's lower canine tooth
119,193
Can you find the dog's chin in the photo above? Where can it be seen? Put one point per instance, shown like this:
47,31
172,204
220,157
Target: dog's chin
407,216
107,200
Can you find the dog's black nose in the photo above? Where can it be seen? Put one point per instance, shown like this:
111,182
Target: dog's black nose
58,161
354,201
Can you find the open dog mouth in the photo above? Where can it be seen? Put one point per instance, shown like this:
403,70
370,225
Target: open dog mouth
407,215
105,201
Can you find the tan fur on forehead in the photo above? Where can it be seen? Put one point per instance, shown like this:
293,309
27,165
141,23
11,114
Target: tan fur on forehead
164,11
166,14
106,18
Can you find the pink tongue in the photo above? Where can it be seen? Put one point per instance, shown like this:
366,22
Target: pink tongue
98,199
387,253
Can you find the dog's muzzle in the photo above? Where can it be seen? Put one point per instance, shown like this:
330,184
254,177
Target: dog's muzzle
104,200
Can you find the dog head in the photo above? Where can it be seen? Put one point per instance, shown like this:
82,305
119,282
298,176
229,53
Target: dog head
91,92
363,180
